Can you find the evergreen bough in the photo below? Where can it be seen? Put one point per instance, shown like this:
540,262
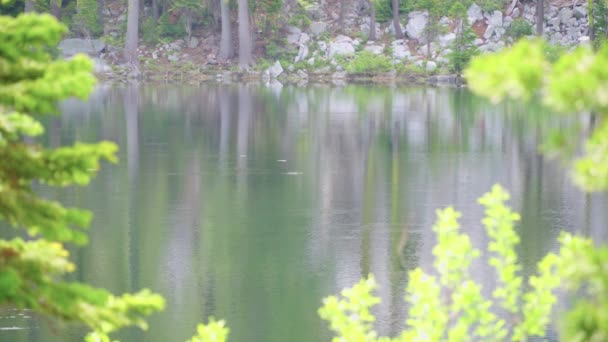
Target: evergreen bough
32,82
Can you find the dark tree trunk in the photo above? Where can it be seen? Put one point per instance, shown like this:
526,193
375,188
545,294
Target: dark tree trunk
245,35
591,21
396,24
132,38
101,5
343,4
540,17
155,12
226,51
29,6
55,8
372,21
141,13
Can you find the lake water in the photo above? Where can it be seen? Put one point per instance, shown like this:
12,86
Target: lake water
252,203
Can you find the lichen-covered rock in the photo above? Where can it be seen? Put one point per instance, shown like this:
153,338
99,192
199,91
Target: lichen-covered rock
341,46
293,35
318,28
565,14
275,70
73,46
193,43
447,39
495,19
474,13
415,25
374,48
400,50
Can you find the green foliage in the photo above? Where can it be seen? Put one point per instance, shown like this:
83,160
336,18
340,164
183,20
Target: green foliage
150,31
527,67
576,82
424,320
554,51
263,64
410,69
598,10
519,28
451,307
166,29
491,5
571,83
435,9
269,8
299,19
384,9
31,84
458,10
368,62
273,50
194,9
499,223
583,270
12,8
463,50
350,317
86,20
214,331
591,170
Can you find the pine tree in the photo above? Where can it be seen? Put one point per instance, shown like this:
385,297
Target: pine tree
31,271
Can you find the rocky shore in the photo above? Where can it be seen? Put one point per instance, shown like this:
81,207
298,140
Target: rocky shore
316,53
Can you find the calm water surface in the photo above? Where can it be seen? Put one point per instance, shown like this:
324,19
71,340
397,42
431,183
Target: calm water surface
252,203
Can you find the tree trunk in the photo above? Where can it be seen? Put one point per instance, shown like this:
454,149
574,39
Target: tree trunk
459,44
29,6
132,33
55,8
140,18
342,16
372,21
591,21
540,17
398,31
155,12
245,44
101,5
226,38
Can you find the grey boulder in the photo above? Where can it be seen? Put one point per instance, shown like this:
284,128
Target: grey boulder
415,25
73,46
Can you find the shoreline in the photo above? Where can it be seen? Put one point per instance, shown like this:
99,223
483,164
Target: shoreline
176,74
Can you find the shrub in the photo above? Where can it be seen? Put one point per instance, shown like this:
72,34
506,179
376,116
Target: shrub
263,64
451,307
272,50
299,19
462,51
368,62
214,331
410,69
553,52
150,31
86,20
33,271
384,9
491,5
168,30
519,28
